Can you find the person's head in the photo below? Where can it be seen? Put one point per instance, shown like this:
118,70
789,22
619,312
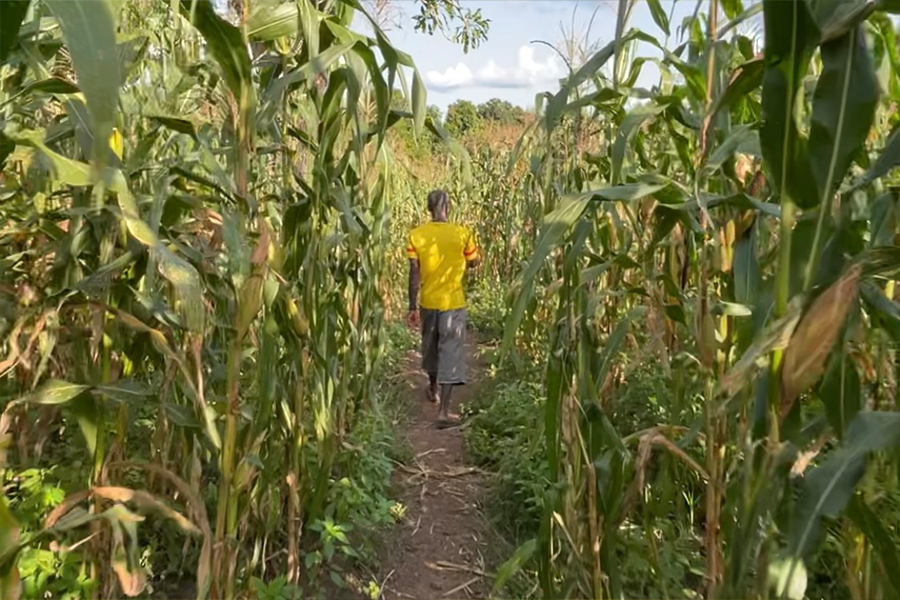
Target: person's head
438,205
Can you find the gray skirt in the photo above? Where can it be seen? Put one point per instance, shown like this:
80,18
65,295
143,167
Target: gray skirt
443,341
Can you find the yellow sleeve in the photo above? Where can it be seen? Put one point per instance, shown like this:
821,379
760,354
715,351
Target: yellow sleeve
470,250
411,248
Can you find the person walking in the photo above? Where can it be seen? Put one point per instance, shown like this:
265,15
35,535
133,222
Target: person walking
439,254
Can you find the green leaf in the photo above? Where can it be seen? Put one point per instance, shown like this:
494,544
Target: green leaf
791,38
53,85
226,44
66,170
787,578
744,81
881,539
271,19
883,261
840,391
418,102
88,27
558,101
177,124
732,8
632,121
56,392
889,159
829,487
124,391
88,416
514,564
883,222
555,226
743,139
843,109
746,270
11,14
885,312
835,18
626,192
659,15
309,26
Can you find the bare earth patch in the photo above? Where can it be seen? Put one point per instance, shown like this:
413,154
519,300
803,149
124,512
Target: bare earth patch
439,549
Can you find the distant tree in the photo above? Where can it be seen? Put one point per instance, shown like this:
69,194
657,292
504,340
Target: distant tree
501,111
434,112
462,119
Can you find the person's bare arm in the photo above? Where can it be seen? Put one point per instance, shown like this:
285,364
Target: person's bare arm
415,280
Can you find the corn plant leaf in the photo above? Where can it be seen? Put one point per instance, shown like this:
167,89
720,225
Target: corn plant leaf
843,108
309,19
88,416
67,171
787,578
889,159
791,38
630,124
456,150
659,15
748,13
11,14
56,392
558,101
554,228
883,261
124,391
840,391
732,8
88,27
611,348
272,98
774,336
835,18
419,101
272,19
885,312
807,353
226,45
52,85
743,139
880,538
177,124
746,269
883,222
828,488
514,563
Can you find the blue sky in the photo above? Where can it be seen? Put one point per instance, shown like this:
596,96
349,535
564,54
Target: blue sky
509,65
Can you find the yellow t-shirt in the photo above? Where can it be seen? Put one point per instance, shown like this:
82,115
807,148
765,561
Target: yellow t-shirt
442,250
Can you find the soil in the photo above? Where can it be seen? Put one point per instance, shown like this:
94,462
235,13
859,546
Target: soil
438,551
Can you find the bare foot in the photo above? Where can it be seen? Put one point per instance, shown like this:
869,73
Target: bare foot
431,394
446,421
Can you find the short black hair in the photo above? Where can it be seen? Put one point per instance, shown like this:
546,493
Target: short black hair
437,200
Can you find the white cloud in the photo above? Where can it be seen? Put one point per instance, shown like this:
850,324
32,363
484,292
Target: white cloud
528,71
452,77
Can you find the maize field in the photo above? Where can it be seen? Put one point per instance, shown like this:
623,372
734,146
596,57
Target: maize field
687,300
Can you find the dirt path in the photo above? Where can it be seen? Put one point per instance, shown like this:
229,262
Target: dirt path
438,551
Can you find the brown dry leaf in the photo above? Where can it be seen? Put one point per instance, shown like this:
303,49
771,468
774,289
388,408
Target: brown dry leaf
131,582
116,494
807,352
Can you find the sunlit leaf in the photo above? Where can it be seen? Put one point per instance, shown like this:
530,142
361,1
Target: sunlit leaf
88,27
